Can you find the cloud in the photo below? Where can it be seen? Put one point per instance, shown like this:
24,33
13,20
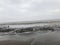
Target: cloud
26,10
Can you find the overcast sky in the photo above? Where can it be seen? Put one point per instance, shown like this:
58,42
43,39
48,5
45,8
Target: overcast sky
29,10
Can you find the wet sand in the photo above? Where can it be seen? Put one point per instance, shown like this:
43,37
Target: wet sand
50,38
13,42
16,42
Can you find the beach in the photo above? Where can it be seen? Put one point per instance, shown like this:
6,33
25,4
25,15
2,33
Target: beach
36,38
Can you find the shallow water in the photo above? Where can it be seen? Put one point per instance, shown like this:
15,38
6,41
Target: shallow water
24,36
21,36
39,37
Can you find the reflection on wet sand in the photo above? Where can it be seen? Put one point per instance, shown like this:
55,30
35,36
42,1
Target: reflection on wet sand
36,38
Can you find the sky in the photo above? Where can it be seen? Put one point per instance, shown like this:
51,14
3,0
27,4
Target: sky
29,10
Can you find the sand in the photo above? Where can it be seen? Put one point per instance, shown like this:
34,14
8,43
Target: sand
51,38
14,42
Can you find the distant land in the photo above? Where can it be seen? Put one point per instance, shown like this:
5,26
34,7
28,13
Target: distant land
31,22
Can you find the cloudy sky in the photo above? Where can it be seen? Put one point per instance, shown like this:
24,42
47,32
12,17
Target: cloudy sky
29,10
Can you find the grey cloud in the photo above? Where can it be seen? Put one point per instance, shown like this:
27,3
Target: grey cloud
45,6
22,10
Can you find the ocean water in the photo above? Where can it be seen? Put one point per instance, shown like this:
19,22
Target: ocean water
26,36
21,36
29,25
44,37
